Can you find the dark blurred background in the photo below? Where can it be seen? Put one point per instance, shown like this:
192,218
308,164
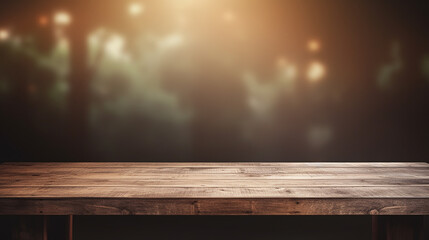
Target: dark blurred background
214,80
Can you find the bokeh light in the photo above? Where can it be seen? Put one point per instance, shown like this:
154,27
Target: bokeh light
62,18
314,45
43,20
229,16
199,74
114,47
4,34
135,9
319,135
316,71
389,71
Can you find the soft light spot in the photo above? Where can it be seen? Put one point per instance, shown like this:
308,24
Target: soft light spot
4,87
388,71
170,41
319,136
425,67
281,62
316,71
229,16
182,21
290,72
313,45
4,34
262,97
287,71
62,18
135,9
43,21
63,45
114,47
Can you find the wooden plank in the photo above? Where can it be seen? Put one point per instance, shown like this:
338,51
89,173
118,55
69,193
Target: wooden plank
234,177
217,173
217,164
108,206
204,183
230,192
200,188
18,171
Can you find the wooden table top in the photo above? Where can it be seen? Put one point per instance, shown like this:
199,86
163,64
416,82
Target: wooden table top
214,188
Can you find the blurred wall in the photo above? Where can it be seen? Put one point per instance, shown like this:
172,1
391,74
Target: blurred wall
205,80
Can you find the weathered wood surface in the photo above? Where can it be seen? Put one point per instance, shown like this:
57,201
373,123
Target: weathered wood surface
214,188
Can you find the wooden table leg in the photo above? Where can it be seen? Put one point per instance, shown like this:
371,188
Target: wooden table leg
45,227
39,228
397,228
70,227
26,228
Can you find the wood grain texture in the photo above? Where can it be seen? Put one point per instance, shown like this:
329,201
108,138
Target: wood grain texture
220,206
214,188
215,164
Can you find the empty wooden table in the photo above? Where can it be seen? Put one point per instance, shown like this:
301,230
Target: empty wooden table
222,189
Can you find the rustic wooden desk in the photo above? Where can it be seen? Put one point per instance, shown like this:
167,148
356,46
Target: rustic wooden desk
222,189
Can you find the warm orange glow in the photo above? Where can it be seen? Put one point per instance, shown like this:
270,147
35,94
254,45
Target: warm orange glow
281,62
43,21
62,18
316,71
313,45
229,16
4,34
135,9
